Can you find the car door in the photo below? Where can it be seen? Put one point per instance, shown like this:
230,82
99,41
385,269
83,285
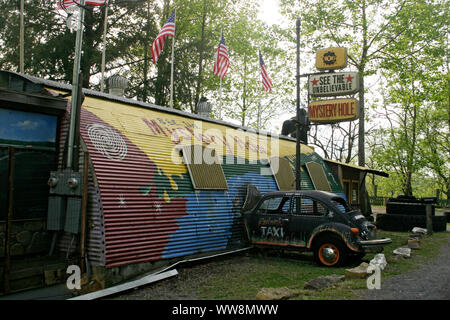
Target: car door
270,221
312,213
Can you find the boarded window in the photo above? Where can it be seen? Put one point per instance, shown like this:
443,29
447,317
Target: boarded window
204,168
282,171
318,176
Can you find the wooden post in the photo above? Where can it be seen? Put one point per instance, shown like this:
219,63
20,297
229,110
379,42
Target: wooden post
429,219
7,268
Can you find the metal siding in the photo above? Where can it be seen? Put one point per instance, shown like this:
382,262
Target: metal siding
150,209
95,225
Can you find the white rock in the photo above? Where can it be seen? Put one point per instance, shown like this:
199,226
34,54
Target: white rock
405,252
419,230
379,261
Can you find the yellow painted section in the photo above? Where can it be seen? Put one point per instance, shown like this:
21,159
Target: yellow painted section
159,134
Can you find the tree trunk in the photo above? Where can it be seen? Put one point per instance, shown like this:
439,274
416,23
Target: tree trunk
201,50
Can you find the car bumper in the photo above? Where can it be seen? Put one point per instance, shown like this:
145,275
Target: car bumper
374,245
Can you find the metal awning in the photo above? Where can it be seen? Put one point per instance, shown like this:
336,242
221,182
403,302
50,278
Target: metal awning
353,166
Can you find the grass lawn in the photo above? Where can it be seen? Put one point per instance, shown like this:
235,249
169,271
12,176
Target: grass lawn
240,278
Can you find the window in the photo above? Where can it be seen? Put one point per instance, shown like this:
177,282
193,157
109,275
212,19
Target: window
351,189
275,205
282,171
27,128
355,191
204,168
318,177
308,207
33,137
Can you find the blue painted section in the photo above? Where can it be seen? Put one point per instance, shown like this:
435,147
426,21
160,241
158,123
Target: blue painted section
213,220
213,217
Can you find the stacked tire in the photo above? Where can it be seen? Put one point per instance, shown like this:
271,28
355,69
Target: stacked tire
404,213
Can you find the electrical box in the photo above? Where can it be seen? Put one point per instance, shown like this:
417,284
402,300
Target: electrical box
56,213
65,183
73,215
64,206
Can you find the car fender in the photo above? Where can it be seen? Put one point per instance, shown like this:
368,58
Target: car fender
343,231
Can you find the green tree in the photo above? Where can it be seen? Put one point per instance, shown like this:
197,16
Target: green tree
49,44
416,105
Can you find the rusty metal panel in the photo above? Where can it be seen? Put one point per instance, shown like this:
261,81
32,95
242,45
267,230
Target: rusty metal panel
95,225
283,173
318,177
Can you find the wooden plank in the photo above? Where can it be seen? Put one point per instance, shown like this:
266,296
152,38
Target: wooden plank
126,286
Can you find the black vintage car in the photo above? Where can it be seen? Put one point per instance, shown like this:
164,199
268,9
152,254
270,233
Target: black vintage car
310,220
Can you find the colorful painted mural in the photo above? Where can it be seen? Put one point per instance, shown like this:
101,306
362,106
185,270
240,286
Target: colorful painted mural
150,209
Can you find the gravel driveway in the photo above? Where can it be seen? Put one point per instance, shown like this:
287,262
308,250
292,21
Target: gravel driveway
428,282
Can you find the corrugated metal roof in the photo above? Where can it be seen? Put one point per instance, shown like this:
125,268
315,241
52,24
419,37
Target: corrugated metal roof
354,166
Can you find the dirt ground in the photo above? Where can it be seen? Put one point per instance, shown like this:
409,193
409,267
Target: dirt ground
428,281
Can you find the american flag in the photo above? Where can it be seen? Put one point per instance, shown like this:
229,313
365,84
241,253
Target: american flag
265,78
222,62
70,3
168,29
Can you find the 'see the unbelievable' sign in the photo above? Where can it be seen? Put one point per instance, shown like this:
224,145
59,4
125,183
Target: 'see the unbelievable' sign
333,84
331,58
333,110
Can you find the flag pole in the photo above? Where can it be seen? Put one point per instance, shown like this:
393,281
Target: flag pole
220,88
171,67
102,83
171,73
75,84
21,49
220,100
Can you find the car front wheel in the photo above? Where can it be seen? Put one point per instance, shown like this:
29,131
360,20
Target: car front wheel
330,251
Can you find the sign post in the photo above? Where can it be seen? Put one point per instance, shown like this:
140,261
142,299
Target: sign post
297,124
